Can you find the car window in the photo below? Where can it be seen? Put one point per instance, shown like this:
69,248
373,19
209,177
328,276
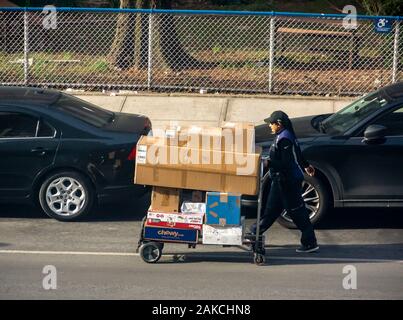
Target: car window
17,125
84,110
45,130
354,113
393,122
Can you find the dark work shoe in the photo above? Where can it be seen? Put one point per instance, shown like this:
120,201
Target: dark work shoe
308,248
250,235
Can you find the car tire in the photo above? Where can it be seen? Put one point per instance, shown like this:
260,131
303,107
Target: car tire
312,187
66,196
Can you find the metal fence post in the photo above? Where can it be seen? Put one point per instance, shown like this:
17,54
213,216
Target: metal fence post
150,33
396,51
271,53
26,49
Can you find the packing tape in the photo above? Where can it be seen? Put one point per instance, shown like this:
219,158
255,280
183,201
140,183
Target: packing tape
155,174
165,200
223,178
213,205
184,179
223,197
215,215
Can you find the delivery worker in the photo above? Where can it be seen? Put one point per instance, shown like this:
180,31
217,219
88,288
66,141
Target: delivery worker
285,162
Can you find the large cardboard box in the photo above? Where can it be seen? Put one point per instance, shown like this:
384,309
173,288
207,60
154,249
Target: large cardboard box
223,209
223,235
172,135
175,220
242,136
170,234
191,136
181,167
165,199
207,138
230,137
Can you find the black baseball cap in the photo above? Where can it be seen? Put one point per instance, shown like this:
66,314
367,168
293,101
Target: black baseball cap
277,116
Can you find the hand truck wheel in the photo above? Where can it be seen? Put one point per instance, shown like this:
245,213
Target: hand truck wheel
259,259
151,252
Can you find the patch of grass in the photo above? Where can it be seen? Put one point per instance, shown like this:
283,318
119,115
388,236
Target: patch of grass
99,66
216,49
67,56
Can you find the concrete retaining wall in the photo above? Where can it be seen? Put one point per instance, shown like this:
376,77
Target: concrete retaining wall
164,109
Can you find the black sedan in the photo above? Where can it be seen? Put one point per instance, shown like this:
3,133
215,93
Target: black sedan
357,153
65,153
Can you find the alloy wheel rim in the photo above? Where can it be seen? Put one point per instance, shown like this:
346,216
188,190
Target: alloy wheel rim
65,196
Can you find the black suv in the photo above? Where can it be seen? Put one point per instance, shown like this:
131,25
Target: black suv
357,153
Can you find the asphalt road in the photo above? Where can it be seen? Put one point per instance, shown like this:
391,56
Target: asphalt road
95,259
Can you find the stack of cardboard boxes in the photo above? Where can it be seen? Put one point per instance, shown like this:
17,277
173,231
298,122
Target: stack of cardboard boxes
165,222
223,224
183,162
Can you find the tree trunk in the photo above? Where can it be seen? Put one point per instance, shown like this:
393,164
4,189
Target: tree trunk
141,54
130,45
171,48
122,50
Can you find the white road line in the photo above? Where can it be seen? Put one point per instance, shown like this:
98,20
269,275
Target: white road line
199,255
80,253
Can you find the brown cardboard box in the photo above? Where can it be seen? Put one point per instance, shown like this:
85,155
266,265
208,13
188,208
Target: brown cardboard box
189,171
207,138
210,138
241,136
230,137
165,199
196,180
169,134
151,151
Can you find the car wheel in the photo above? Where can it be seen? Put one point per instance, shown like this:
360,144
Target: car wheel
66,196
316,198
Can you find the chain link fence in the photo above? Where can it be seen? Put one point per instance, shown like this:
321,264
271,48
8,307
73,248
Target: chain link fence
163,50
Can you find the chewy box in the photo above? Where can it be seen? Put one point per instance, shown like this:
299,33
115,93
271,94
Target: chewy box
223,209
170,234
175,220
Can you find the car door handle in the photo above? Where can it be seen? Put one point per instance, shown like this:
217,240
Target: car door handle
41,151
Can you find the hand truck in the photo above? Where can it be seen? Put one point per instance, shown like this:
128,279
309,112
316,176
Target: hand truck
151,250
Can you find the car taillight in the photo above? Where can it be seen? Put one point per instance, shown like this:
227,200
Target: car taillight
147,125
132,154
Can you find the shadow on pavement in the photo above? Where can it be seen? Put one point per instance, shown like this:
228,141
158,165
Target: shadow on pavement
286,255
136,209
363,218
355,218
126,210
25,211
4,244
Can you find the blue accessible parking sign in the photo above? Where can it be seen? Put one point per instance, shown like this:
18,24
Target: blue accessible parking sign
383,25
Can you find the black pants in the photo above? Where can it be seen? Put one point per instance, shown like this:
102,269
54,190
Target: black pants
287,195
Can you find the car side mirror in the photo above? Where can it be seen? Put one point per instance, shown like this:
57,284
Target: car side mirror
374,134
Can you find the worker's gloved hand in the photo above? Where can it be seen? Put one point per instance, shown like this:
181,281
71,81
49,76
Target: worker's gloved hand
310,170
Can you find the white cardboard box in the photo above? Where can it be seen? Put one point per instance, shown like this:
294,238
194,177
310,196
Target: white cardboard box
224,235
193,207
192,218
